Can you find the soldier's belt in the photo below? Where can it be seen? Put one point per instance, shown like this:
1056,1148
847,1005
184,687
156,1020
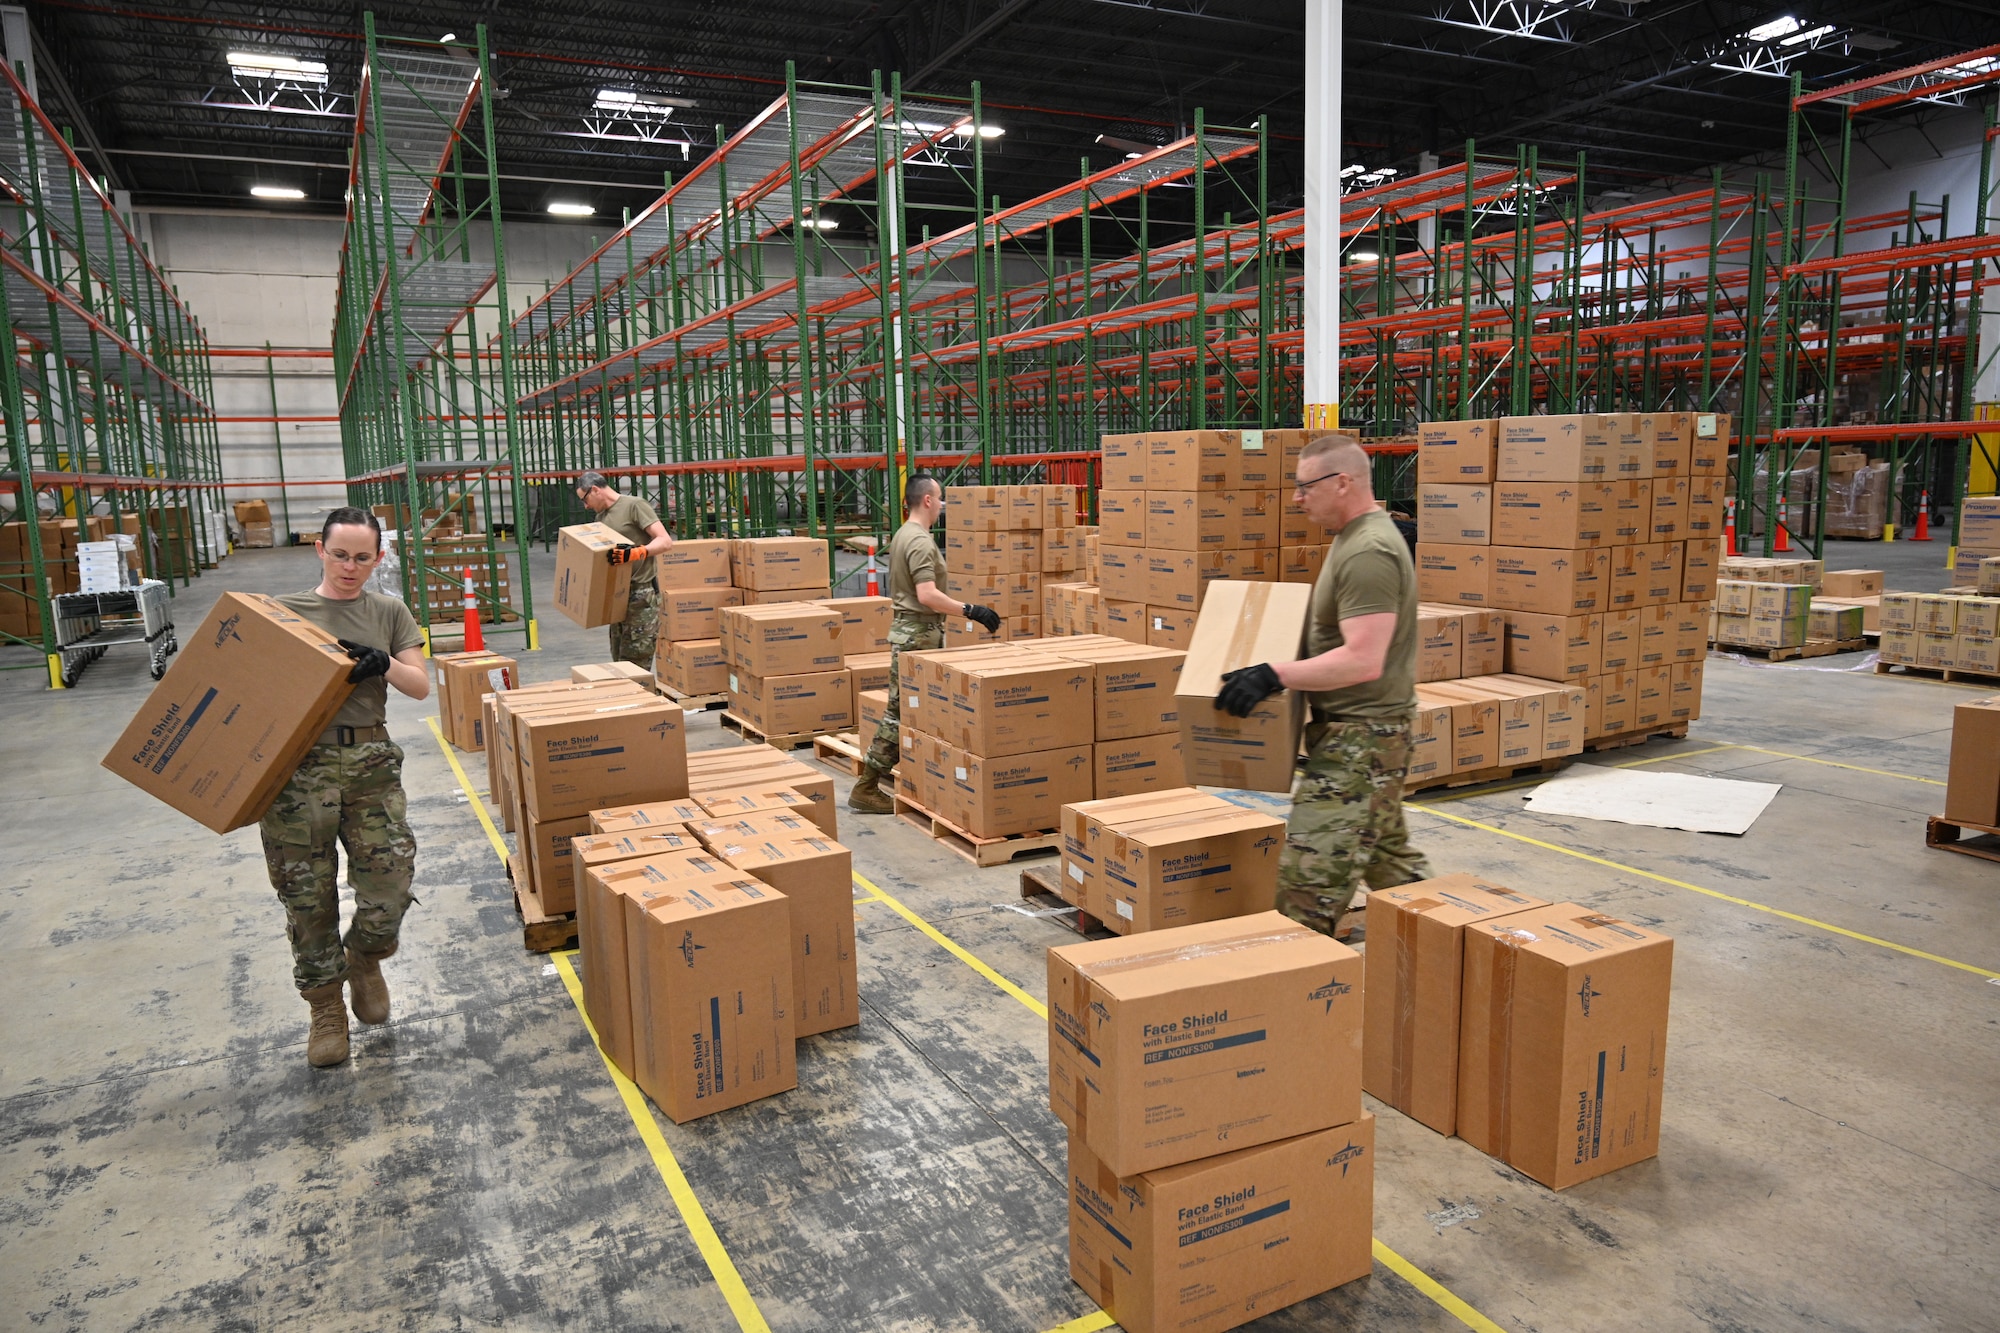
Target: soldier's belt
352,735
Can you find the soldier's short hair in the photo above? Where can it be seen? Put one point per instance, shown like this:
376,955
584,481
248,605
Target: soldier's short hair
916,488
590,481
350,516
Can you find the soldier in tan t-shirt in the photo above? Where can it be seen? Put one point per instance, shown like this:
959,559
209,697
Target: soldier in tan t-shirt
1360,672
632,639
348,793
914,570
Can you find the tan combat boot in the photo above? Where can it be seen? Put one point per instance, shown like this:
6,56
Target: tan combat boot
369,992
868,796
327,1045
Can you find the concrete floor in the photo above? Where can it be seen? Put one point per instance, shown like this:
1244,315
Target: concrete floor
168,1160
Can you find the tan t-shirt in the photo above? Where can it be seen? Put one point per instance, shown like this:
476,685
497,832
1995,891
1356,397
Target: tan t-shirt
1368,572
633,519
913,558
372,619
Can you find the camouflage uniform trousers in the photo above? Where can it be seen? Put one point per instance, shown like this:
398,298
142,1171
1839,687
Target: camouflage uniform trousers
352,795
914,635
1347,826
634,638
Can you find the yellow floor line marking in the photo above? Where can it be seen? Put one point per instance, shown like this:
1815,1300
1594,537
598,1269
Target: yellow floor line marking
1988,973
1834,763
1397,1264
1432,1288
693,1215
478,804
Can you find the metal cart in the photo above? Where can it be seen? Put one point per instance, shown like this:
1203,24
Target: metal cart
87,623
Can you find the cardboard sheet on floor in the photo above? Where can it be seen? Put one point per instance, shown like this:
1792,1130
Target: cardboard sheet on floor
1662,800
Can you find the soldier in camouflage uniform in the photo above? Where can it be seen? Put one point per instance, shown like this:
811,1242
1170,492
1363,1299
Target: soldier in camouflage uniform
348,793
1359,667
914,569
634,638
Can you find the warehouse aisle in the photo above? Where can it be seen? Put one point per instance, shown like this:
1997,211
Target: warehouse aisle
1826,1159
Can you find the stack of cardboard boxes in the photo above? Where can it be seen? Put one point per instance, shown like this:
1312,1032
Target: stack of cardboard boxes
1842,592
795,668
1182,511
1597,536
1972,783
1003,546
1167,858
1978,537
695,583
559,750
716,930
1762,615
1535,1031
1243,1180
463,682
997,738
255,517
20,612
1956,630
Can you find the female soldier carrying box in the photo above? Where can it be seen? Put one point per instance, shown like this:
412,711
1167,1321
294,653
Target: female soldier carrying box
348,790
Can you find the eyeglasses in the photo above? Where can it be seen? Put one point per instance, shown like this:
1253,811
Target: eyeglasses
343,558
1301,487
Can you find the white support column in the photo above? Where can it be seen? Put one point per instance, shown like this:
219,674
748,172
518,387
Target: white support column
1322,233
19,41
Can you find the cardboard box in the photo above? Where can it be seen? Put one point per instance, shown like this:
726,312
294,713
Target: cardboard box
1440,642
807,704
1562,648
1550,582
588,590
1012,596
1017,704
867,671
1700,558
1653,697
1135,765
1086,829
1564,710
693,563
1483,650
1474,738
1707,511
1555,448
1563,1041
1430,744
1134,688
782,639
864,623
998,796
1409,1049
590,851
1685,700
981,508
816,875
1300,564
1124,620
249,692
1221,1241
1833,621
578,759
765,564
1972,783
1194,460
551,861
1565,514
693,667
1183,578
1609,704
870,707
1242,624
1187,868
1210,520
1620,650
1457,452
1981,655
1898,610
695,613
1670,506
712,1003
602,919
647,816
1121,517
1455,575
1166,1046
463,680
970,551
1122,572
1661,574
1124,461
1456,515
595,671
1170,627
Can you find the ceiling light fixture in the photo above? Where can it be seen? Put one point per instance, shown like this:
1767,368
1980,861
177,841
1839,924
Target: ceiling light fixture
965,131
449,37
1784,26
274,65
276,192
820,222
567,210
1362,256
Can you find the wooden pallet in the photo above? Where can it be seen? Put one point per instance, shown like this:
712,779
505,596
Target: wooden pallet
842,751
1941,832
1040,882
695,703
1669,731
1952,674
1472,777
541,931
980,851
731,722
1810,648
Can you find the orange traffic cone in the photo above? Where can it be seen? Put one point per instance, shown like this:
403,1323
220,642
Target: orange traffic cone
1783,544
1923,532
874,575
475,641
1729,524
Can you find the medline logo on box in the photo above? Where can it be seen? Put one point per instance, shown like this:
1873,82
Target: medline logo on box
1585,994
227,629
1352,1152
1330,992
689,948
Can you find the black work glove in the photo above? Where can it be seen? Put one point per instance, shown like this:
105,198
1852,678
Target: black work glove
624,554
983,616
1246,687
368,662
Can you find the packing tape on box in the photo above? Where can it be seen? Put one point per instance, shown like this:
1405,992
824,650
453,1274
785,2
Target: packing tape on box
1402,1061
1500,1061
1190,952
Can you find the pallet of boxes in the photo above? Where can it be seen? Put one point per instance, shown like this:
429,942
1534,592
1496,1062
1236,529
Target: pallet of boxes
1955,633
1003,546
786,650
1182,510
1594,540
696,582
